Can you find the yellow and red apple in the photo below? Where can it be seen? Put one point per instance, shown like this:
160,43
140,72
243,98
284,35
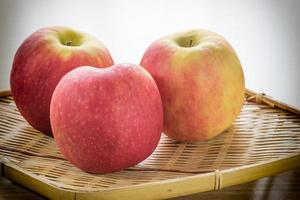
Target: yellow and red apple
201,83
105,120
42,60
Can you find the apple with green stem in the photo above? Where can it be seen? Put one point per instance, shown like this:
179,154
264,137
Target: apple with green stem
201,82
105,120
42,60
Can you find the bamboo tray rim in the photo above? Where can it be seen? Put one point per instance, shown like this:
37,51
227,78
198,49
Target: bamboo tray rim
170,187
217,174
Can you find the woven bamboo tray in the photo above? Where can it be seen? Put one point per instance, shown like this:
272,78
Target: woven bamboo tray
264,140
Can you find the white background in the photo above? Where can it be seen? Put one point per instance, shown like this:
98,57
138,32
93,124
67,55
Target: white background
264,33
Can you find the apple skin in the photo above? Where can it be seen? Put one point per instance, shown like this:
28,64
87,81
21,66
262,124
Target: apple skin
40,62
201,83
105,120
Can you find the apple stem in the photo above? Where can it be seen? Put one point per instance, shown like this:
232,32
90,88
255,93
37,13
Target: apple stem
68,43
191,41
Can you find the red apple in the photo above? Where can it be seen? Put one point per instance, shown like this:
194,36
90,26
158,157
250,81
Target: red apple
201,83
40,62
105,120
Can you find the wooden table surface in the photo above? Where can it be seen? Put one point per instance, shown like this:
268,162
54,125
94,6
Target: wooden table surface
285,186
